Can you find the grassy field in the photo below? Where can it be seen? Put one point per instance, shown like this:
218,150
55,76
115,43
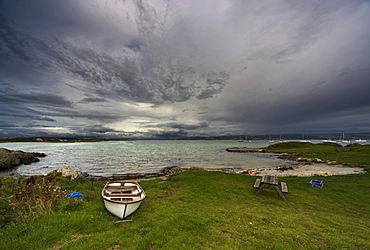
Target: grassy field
193,210
356,154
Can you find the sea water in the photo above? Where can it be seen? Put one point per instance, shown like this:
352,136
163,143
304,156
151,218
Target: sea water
110,158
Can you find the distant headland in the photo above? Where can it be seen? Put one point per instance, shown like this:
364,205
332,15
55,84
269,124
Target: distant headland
55,140
271,137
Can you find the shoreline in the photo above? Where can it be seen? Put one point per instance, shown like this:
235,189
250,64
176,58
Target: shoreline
310,169
300,169
297,167
301,166
294,169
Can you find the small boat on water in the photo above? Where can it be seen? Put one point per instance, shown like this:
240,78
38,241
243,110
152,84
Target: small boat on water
122,198
343,140
328,141
303,139
360,140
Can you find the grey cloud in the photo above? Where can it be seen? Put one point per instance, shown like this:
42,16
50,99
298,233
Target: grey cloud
11,45
284,29
158,79
168,134
335,105
185,127
34,130
93,129
6,124
345,71
258,65
215,83
92,99
167,130
13,97
14,104
45,99
46,107
41,118
72,19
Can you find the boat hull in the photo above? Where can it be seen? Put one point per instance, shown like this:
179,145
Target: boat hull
121,210
122,198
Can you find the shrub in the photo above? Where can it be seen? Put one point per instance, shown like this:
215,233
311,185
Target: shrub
31,201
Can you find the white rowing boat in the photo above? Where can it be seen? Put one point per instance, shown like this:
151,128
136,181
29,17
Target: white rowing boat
122,198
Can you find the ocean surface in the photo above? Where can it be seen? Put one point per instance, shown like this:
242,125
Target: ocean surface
114,158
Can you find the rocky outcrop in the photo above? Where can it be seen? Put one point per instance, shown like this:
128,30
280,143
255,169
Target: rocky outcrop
166,171
69,172
247,150
10,159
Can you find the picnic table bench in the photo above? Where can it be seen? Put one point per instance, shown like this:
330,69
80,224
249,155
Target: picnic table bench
271,181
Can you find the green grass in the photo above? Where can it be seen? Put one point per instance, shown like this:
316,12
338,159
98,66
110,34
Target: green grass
208,210
357,154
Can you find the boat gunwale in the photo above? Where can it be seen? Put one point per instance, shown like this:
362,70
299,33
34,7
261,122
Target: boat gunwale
137,185
123,202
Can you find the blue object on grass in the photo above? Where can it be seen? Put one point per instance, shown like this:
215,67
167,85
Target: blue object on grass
74,195
316,183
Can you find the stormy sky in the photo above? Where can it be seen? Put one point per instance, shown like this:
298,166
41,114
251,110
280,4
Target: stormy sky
162,69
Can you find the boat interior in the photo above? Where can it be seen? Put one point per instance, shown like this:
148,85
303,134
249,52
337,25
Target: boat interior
122,191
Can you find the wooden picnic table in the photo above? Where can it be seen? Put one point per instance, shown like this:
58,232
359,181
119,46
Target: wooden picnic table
273,185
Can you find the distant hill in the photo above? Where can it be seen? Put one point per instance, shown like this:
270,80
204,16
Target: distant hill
317,136
333,136
23,139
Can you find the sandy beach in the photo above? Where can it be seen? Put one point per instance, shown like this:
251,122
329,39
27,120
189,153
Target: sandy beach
313,169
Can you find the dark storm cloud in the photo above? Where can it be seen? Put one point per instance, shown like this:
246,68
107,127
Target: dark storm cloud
42,106
92,99
93,130
341,103
9,130
185,127
215,84
41,118
304,23
15,105
42,99
107,74
258,66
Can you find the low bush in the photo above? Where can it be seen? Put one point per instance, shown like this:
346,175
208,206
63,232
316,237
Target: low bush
29,201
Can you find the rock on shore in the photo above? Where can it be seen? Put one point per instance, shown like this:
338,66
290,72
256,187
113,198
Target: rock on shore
10,159
247,150
166,171
69,172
